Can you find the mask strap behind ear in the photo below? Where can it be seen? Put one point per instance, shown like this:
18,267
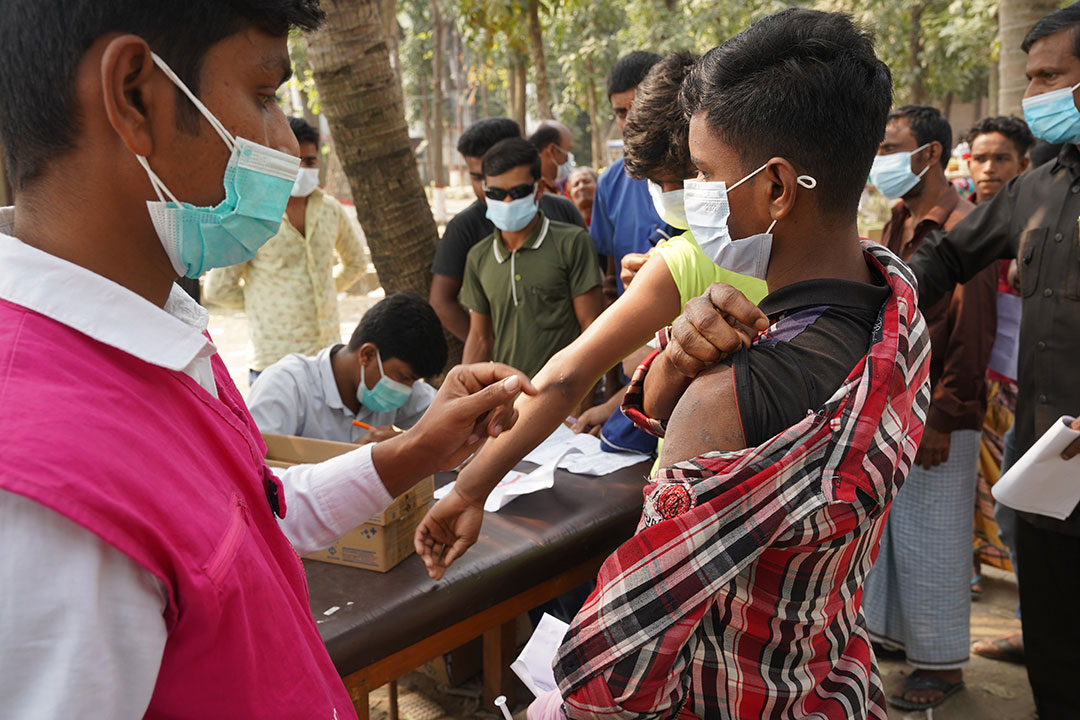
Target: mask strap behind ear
214,122
807,182
156,182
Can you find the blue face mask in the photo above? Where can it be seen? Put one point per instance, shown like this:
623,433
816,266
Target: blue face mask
258,181
511,215
387,394
891,174
1053,117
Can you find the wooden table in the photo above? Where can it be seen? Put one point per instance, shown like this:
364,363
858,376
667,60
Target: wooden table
535,549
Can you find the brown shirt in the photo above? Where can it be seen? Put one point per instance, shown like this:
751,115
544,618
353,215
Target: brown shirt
1034,219
962,324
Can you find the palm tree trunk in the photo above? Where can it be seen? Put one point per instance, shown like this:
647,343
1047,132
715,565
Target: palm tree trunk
536,42
362,101
1015,19
596,124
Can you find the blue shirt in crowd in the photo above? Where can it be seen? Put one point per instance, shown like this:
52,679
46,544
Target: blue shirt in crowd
623,218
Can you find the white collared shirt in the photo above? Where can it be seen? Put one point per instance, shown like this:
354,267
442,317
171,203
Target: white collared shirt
298,395
98,657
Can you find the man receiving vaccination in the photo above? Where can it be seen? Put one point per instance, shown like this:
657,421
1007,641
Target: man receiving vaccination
739,595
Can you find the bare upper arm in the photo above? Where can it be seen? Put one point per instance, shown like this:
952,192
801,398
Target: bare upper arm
443,289
706,418
588,306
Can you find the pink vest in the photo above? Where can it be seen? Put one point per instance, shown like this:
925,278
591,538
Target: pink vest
150,462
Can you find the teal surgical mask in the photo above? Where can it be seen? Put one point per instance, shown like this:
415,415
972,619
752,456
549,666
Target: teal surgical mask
258,181
511,215
566,167
387,394
1053,117
891,174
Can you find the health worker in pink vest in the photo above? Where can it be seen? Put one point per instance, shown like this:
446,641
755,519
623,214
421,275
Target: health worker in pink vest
149,564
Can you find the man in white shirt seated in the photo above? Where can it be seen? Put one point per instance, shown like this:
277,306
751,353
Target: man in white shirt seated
374,380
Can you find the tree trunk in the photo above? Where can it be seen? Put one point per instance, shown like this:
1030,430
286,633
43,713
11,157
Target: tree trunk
362,100
388,12
915,45
438,125
992,92
596,124
536,43
521,73
1015,19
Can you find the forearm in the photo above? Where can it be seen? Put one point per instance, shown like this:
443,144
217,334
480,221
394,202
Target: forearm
560,387
663,387
479,347
453,316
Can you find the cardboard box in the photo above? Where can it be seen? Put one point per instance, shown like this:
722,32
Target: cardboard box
385,539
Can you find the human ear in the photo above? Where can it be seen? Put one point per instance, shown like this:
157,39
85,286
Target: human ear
127,91
1024,162
784,186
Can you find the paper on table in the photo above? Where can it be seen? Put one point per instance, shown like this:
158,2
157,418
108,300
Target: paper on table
589,460
534,663
1041,482
515,484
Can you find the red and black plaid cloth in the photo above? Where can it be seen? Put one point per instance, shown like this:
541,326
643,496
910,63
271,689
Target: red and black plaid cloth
740,594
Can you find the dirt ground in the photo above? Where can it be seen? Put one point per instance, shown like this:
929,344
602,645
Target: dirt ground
994,690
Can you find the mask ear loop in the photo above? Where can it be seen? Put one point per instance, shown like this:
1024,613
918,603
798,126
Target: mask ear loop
807,182
156,182
214,122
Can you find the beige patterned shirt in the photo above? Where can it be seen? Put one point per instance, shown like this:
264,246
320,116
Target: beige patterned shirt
289,290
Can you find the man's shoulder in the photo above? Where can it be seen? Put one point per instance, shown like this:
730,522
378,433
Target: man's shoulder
962,210
560,208
612,175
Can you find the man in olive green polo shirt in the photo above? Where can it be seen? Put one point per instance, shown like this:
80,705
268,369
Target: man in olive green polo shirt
534,284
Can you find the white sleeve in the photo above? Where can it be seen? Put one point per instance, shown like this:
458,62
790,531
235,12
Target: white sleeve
326,500
275,403
82,630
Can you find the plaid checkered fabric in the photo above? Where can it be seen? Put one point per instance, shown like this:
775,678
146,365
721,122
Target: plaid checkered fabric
740,594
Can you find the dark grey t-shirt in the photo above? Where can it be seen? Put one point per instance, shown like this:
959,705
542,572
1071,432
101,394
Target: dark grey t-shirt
470,226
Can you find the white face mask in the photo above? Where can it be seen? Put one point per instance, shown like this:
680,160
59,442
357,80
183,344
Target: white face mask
669,205
306,182
707,211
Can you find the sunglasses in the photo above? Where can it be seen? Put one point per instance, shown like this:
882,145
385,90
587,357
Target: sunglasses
515,193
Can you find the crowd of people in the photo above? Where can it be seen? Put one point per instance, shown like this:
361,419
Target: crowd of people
829,414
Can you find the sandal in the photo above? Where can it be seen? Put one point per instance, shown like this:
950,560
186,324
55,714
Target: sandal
1009,648
976,587
917,681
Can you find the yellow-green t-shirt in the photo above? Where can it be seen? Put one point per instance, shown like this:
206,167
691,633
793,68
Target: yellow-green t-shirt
694,271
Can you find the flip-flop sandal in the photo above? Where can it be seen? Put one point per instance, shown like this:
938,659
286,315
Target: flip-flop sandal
1000,648
915,681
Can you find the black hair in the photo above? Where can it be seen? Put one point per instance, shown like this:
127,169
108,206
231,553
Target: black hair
483,134
405,327
629,70
42,42
1062,19
304,131
927,124
508,154
546,135
1015,129
656,136
1043,152
804,85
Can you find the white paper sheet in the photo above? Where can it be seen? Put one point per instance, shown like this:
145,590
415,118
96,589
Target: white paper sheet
515,484
534,663
590,458
1040,481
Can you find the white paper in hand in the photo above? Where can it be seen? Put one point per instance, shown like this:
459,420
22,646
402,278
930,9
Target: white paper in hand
534,663
1041,482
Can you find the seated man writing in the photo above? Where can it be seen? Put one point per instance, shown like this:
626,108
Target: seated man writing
739,596
374,380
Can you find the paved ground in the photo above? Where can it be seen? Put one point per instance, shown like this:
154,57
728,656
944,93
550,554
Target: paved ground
995,691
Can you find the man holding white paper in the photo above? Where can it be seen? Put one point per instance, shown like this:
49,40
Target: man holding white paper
1034,219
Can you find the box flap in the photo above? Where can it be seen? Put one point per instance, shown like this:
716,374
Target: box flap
292,450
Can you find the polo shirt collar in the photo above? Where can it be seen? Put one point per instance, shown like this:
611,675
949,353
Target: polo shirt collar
534,241
172,337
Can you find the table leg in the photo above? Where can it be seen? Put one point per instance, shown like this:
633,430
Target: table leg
499,646
360,703
393,700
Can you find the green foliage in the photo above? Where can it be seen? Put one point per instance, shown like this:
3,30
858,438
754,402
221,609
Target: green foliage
302,82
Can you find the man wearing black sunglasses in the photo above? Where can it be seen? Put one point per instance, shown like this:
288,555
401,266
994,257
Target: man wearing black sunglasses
532,285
